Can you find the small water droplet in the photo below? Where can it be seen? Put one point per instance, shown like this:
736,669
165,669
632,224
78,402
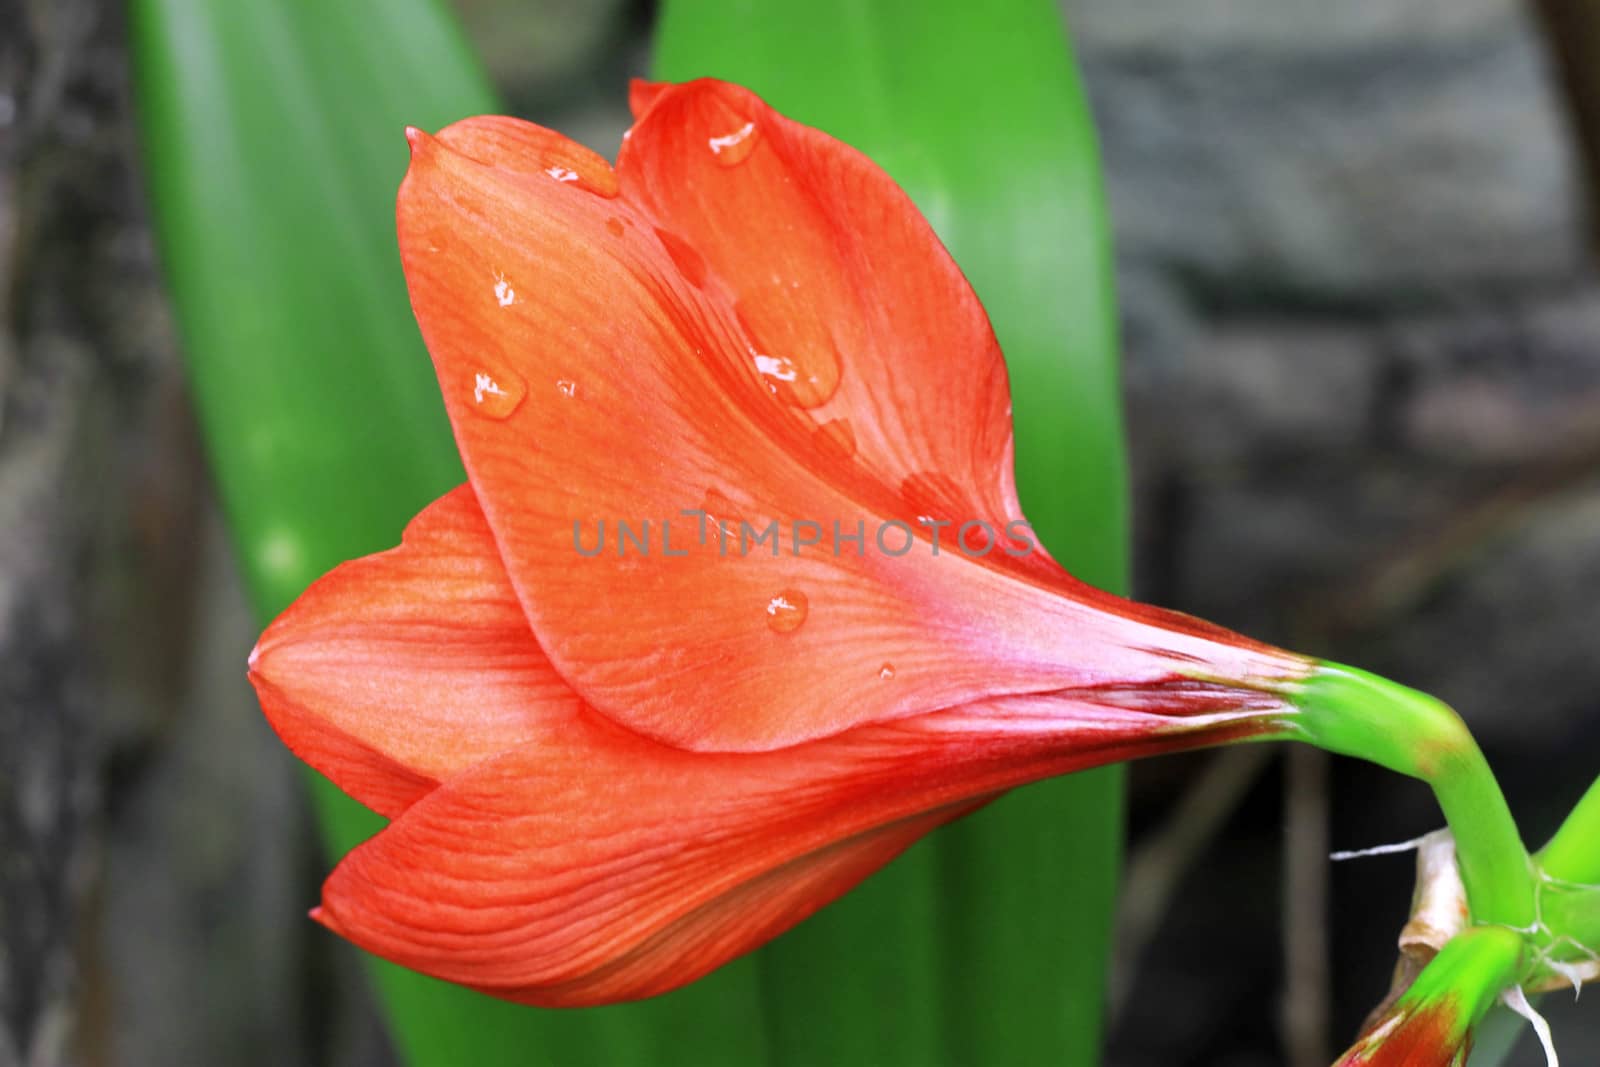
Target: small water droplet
786,611
932,495
836,440
562,174
720,514
689,262
568,388
614,224
496,395
504,295
886,671
731,149
803,372
778,368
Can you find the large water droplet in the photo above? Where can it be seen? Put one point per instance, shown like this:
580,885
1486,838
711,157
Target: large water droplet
836,440
734,147
786,611
496,395
684,257
886,671
804,373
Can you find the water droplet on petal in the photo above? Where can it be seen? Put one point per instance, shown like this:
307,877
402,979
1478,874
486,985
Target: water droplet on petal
684,257
802,372
886,671
778,368
568,388
504,295
496,395
614,224
932,495
720,514
562,174
734,147
836,440
786,611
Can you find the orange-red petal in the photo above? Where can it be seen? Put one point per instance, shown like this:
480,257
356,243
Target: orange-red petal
596,371
399,670
832,268
593,865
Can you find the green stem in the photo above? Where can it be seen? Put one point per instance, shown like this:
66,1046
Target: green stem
1355,713
1573,854
1569,901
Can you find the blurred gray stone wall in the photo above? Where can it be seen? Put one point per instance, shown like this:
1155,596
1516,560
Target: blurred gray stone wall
1363,382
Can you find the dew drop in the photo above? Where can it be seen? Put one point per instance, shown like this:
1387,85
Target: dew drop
932,495
804,373
614,225
731,149
684,257
836,440
778,368
504,295
568,388
496,396
562,174
786,611
721,514
886,671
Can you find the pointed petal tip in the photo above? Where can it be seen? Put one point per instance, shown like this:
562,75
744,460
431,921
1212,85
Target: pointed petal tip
417,138
642,94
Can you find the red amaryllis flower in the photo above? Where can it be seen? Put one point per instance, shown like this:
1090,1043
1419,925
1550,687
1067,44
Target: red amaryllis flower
621,739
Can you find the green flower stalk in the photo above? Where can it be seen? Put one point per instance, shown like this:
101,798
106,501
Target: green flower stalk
1573,854
1355,713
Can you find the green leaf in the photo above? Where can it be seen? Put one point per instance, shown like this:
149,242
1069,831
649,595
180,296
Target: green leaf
987,943
272,138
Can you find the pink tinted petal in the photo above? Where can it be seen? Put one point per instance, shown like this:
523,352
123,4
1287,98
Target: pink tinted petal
835,274
398,670
594,865
597,373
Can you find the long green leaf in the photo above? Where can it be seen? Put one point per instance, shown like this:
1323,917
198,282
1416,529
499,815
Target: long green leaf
988,943
272,140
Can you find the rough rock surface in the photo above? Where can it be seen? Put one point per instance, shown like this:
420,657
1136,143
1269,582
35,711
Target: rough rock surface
1363,375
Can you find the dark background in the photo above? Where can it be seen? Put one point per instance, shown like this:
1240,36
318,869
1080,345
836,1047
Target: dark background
1363,380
